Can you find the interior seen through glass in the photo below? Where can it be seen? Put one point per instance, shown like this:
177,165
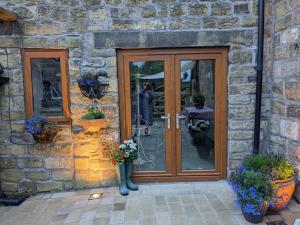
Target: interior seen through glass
46,80
197,108
196,117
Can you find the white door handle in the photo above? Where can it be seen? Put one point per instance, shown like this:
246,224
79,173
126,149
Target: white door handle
178,117
168,117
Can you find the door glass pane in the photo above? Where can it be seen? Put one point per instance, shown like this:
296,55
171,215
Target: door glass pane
197,107
148,105
46,86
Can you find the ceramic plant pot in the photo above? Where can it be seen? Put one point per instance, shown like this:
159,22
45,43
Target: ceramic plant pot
284,192
256,218
93,125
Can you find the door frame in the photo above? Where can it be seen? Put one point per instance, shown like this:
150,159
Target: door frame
124,56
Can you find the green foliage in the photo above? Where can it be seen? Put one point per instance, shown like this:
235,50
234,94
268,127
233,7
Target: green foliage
275,166
282,170
199,98
93,114
252,190
148,68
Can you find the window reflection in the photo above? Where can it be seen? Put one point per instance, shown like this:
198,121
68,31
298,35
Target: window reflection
147,104
197,105
46,86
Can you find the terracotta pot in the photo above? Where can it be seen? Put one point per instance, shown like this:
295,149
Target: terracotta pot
256,218
284,193
93,125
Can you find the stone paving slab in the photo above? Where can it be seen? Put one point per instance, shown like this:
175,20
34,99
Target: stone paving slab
199,203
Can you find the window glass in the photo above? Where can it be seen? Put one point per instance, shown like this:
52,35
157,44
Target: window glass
46,86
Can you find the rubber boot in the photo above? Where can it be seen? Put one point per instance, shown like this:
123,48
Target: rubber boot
122,186
129,169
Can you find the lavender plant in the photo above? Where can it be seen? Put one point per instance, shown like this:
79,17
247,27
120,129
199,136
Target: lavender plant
34,125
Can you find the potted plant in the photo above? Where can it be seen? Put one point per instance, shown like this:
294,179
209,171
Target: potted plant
124,156
43,131
254,191
280,171
93,120
199,101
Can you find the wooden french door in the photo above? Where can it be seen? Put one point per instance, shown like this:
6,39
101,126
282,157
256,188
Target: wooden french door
173,103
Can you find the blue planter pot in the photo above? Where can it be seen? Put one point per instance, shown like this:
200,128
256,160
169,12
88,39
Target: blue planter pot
256,218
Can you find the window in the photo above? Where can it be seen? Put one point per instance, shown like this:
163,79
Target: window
46,84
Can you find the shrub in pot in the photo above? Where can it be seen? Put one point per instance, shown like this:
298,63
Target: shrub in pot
199,101
42,130
93,120
253,191
281,173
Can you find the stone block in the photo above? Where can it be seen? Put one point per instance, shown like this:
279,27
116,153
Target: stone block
293,111
292,90
9,186
242,89
240,57
289,36
278,107
27,186
221,8
241,8
12,149
209,22
165,39
87,179
149,11
197,9
290,129
150,24
29,162
238,147
283,23
78,15
185,23
49,186
40,175
116,39
98,14
122,24
249,21
62,175
240,135
177,9
7,162
12,175
22,138
241,112
281,9
229,22
81,163
241,124
239,99
59,162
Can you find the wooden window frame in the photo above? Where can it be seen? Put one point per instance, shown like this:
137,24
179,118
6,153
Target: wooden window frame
29,54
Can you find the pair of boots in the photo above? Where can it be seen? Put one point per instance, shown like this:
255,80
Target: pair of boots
125,178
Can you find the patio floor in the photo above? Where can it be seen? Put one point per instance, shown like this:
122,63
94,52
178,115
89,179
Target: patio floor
200,203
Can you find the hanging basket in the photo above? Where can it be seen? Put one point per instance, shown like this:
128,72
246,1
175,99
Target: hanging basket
94,87
47,135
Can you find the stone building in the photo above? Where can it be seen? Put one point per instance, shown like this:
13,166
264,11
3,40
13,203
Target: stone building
159,43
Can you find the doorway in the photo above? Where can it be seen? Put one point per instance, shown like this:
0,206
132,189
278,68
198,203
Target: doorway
173,103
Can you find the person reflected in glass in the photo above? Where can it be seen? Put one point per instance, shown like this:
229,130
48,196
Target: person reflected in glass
146,99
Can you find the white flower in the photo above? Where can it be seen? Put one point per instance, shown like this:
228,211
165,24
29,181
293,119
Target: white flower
122,146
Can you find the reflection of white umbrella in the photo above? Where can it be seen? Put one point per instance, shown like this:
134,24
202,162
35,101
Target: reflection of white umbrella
186,66
154,76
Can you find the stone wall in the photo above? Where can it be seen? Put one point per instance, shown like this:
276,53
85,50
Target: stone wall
92,30
283,78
